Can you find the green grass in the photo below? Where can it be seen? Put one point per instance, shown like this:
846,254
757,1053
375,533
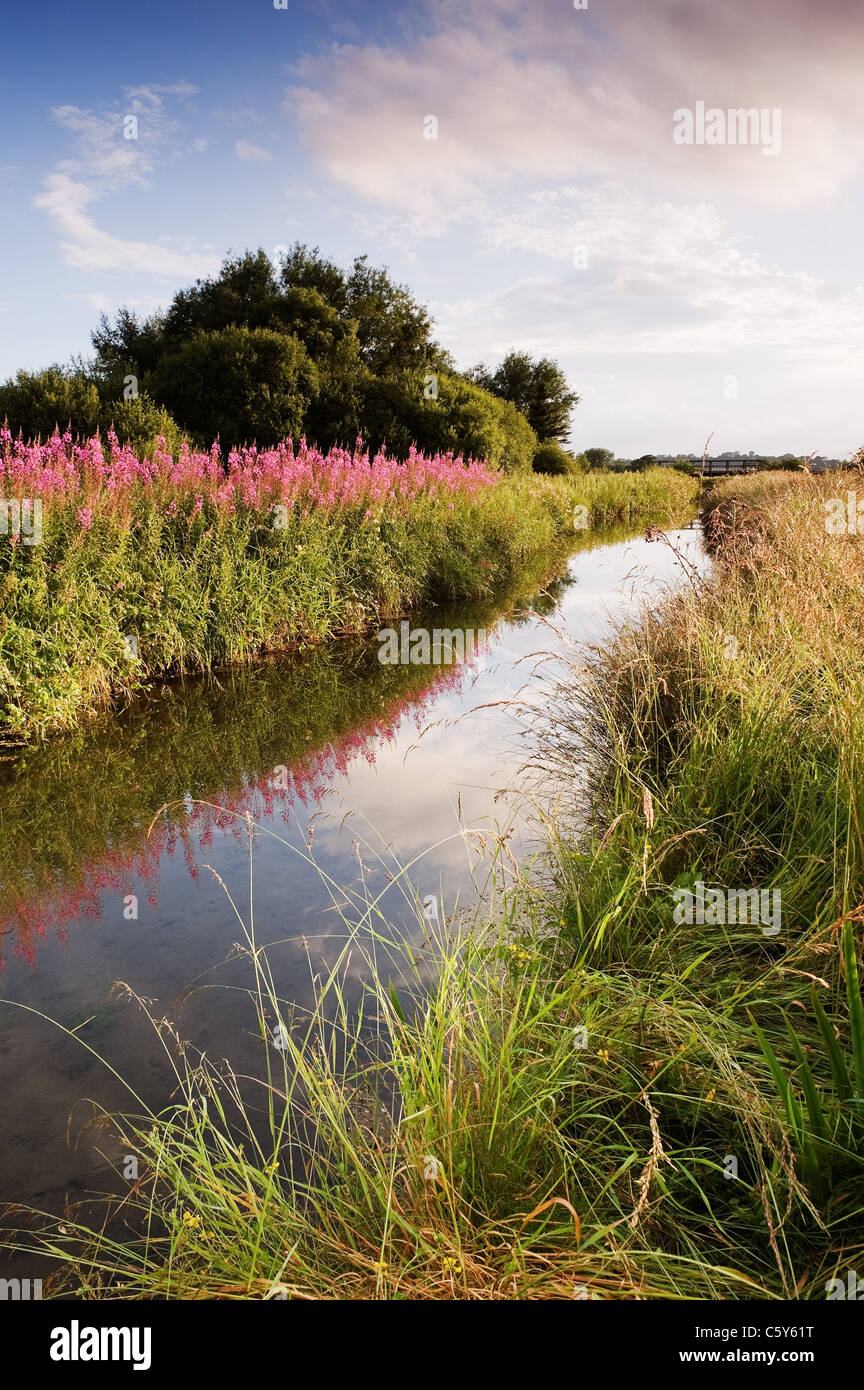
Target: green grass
456,1141
201,593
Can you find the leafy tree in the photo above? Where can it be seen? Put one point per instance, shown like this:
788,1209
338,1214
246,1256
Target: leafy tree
242,384
549,457
36,402
538,389
599,458
359,358
303,269
127,345
394,332
246,293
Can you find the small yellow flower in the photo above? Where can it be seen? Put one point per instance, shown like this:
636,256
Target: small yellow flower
453,1265
603,1054
190,1220
711,1094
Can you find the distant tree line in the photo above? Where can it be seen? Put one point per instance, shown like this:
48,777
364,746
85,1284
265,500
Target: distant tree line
262,351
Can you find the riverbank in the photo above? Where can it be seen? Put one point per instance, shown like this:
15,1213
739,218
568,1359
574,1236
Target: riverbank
620,1088
145,569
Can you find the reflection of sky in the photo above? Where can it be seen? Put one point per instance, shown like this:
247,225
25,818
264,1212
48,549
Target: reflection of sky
411,797
403,805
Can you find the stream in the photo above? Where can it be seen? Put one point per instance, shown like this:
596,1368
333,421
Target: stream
348,768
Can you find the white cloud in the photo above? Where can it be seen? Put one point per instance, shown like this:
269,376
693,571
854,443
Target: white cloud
86,247
251,154
660,277
543,92
105,162
672,302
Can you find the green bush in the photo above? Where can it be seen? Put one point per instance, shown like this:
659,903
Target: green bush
483,425
550,457
443,411
243,384
140,421
34,403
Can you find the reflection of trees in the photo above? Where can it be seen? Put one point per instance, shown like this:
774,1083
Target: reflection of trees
74,815
270,738
546,600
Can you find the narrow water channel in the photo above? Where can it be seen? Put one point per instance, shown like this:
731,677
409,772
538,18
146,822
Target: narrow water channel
339,760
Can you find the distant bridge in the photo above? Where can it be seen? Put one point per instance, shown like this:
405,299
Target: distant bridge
712,468
719,467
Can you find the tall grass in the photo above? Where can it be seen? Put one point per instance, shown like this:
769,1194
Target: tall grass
137,576
706,1141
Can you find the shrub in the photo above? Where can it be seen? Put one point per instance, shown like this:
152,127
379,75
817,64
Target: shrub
140,422
247,383
35,403
599,458
460,417
550,457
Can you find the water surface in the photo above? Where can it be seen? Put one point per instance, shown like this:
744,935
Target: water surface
339,760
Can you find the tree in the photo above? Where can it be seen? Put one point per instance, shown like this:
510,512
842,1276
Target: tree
35,402
538,389
358,356
127,345
245,294
549,457
394,332
242,384
353,327
69,398
303,269
599,458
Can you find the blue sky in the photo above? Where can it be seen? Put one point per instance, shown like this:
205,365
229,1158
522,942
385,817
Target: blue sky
717,287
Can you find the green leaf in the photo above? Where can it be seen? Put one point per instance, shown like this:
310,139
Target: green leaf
856,1007
394,1000
838,1063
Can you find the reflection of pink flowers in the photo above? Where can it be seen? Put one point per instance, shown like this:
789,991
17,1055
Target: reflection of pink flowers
55,904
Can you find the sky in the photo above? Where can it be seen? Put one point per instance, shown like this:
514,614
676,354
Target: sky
532,169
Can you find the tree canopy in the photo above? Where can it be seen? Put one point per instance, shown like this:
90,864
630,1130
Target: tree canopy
538,389
261,350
